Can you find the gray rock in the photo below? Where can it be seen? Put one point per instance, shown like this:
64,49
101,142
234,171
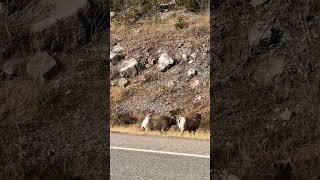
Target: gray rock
258,32
63,9
115,58
184,57
113,83
194,83
286,115
194,55
192,72
123,82
129,68
41,66
166,15
112,14
13,67
118,49
164,62
46,26
268,70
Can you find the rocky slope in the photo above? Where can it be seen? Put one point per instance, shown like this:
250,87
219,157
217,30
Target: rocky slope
53,94
265,79
157,67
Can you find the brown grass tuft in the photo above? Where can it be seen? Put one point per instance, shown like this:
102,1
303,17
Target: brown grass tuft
118,94
20,102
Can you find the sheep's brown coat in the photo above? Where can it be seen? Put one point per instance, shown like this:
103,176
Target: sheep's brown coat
192,122
163,123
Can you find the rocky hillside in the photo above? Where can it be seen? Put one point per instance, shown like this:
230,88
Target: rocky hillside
159,64
53,90
265,64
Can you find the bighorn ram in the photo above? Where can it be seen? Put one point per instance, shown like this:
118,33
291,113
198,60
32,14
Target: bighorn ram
189,123
162,123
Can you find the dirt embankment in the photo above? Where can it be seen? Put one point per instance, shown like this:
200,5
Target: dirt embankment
266,86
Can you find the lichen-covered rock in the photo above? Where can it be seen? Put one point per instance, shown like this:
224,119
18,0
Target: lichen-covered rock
164,62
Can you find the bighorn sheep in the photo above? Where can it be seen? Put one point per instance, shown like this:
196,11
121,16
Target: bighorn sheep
189,123
162,123
146,122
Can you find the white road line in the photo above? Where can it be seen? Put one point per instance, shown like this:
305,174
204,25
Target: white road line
160,152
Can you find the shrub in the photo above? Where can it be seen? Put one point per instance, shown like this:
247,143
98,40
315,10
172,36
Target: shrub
150,7
181,24
101,68
193,5
116,5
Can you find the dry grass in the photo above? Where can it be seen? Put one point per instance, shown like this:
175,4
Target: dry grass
198,27
134,129
20,101
118,94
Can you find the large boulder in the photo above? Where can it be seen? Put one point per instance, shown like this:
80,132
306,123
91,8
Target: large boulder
129,68
260,31
164,62
66,24
14,67
268,70
62,10
42,66
115,58
117,54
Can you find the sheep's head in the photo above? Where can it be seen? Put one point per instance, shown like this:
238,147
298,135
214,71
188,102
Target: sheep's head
178,118
175,112
198,115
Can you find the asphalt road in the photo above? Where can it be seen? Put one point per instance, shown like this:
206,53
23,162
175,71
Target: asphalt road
151,157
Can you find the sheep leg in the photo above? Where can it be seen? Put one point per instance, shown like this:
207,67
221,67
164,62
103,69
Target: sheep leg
162,130
181,132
